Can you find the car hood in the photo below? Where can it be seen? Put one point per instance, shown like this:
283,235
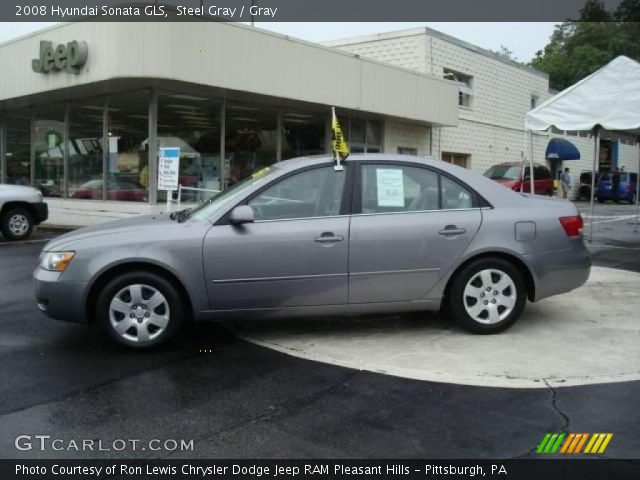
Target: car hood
115,227
18,188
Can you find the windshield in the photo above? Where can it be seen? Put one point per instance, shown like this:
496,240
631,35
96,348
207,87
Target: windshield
504,172
207,207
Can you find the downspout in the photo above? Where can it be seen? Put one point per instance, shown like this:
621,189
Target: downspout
596,154
637,185
532,179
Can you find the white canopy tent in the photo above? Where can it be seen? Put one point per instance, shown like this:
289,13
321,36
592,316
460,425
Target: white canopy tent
608,98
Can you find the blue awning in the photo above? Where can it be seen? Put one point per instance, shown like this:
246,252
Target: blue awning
561,149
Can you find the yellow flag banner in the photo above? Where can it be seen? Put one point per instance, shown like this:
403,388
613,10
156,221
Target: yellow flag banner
340,147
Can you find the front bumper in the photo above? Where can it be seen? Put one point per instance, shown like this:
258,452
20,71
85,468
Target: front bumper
58,299
561,271
41,212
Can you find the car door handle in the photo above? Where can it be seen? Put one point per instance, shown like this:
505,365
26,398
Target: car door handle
329,237
451,230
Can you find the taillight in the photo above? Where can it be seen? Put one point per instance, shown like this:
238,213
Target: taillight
628,187
572,225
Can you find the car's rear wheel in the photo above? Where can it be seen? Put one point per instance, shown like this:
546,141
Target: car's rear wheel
487,296
17,223
140,309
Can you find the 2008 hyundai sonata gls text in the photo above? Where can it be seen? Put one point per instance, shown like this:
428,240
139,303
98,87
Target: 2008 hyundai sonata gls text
389,233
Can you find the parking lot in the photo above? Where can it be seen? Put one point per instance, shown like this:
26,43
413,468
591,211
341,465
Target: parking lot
241,390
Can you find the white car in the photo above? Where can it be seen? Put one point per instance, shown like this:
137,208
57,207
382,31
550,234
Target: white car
20,209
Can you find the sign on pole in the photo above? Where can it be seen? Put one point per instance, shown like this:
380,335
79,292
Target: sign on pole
168,170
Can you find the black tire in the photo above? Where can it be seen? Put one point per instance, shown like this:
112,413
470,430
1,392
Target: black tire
8,223
601,200
456,299
149,282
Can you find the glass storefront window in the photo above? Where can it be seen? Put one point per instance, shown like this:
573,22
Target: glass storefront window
18,149
116,166
48,142
85,149
192,124
357,130
373,133
363,136
128,147
303,134
250,140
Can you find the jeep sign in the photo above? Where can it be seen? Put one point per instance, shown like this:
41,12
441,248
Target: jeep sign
70,57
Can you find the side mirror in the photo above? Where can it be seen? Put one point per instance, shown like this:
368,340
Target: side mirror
241,214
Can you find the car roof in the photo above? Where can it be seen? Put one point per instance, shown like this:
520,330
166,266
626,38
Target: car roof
513,164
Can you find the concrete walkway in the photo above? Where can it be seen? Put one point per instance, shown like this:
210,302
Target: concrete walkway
588,336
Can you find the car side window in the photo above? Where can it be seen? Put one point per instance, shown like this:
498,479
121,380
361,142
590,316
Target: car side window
312,193
541,173
403,188
398,188
454,195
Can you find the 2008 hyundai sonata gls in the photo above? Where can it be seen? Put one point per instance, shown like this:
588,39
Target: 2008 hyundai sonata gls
389,233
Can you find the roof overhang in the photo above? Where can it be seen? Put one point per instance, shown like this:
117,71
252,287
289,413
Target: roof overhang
227,57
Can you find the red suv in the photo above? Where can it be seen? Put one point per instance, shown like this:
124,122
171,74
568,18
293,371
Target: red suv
510,175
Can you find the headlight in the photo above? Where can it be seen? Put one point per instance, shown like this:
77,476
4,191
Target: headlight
55,261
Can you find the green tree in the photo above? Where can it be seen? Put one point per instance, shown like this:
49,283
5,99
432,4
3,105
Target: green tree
577,49
594,11
505,52
628,11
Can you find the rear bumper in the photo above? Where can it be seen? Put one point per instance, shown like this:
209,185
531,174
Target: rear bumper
561,271
41,210
60,300
610,196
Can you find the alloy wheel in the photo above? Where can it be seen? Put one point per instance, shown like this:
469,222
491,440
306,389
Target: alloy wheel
489,296
18,224
139,313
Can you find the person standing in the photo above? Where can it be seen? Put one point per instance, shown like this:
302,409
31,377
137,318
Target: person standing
565,183
615,184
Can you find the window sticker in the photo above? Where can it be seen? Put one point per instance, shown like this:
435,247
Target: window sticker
390,187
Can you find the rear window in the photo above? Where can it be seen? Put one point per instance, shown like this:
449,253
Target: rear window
628,177
504,172
541,172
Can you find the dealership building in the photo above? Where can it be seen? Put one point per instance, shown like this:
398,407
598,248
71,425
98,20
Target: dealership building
81,104
85,108
495,93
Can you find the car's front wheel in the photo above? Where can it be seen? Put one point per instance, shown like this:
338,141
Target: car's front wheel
487,296
16,223
140,309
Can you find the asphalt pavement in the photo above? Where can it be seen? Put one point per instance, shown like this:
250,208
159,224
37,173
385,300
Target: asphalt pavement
235,399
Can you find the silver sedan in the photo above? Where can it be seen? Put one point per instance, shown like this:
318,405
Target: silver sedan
389,233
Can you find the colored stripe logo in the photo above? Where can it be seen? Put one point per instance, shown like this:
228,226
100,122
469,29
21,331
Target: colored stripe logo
574,442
